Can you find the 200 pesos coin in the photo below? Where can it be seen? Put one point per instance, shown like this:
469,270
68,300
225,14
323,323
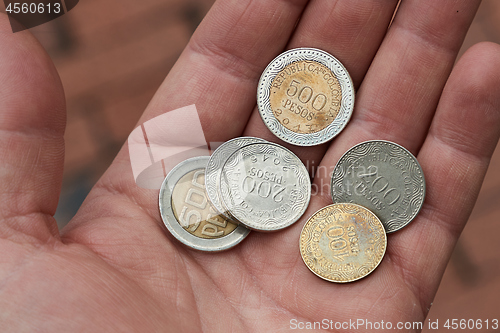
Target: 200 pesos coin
343,242
305,96
265,186
383,177
187,213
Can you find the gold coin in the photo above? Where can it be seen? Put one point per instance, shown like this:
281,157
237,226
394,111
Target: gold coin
194,212
343,242
305,96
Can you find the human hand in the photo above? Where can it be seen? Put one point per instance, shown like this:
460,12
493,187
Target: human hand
115,267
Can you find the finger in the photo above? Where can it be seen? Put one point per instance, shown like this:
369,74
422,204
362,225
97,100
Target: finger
219,69
400,92
454,157
402,88
349,30
218,72
32,121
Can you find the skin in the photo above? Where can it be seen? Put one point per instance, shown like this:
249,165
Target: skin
115,268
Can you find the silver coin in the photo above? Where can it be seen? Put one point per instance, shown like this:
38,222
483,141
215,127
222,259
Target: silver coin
305,96
214,168
265,186
383,177
187,213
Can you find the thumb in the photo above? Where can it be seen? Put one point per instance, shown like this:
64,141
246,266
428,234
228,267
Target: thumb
32,121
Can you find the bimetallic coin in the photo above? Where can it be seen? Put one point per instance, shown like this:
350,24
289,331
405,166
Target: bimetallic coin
343,242
383,177
305,96
187,213
265,186
214,168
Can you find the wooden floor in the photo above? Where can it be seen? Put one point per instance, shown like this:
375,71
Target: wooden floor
111,66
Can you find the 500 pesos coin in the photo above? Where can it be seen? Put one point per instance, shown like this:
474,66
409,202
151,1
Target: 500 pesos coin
343,242
187,213
305,96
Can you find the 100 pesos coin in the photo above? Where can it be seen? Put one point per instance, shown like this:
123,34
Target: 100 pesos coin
305,96
343,242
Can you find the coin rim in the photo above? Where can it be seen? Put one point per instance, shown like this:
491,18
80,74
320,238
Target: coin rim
424,188
358,278
251,225
171,222
216,201
346,105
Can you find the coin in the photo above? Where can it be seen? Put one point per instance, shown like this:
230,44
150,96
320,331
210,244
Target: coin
305,96
383,177
214,168
343,242
265,186
187,214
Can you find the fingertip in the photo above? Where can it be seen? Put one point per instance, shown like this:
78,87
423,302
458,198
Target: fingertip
478,72
468,116
32,96
487,49
4,23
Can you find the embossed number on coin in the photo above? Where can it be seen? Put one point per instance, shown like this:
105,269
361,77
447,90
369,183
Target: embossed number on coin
305,96
343,242
265,186
383,177
187,213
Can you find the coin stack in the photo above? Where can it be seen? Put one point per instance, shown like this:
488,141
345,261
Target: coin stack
247,183
305,97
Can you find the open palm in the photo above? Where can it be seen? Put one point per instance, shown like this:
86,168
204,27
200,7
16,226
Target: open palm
116,268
